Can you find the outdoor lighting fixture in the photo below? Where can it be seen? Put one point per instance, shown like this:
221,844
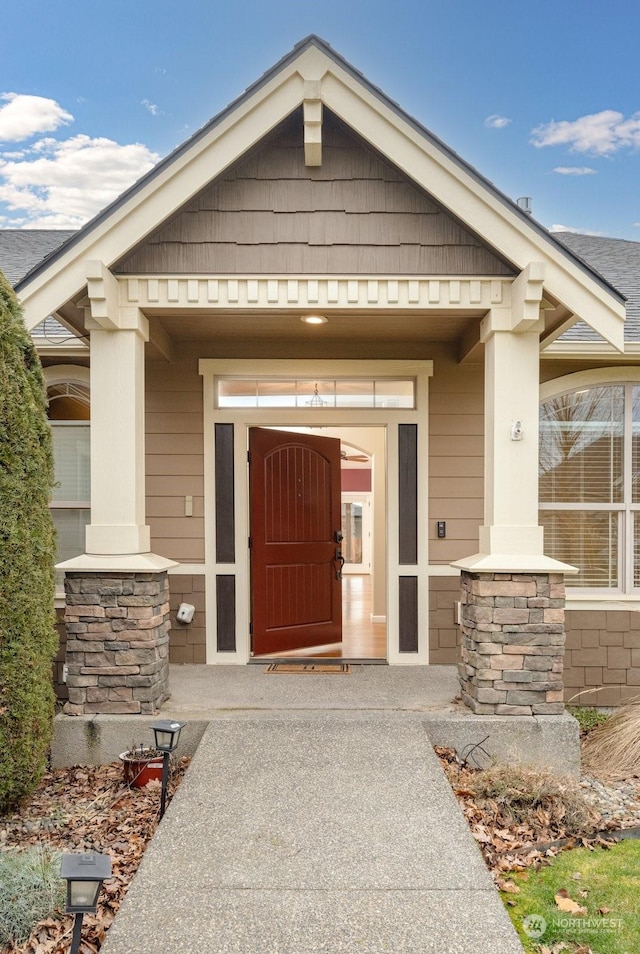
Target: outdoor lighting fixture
84,875
314,319
167,734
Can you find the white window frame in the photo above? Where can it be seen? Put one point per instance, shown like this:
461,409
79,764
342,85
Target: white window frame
629,377
68,374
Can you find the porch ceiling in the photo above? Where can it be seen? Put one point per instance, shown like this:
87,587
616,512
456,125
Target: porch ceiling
399,327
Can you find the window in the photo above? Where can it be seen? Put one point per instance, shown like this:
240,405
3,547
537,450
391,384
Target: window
590,484
311,392
71,497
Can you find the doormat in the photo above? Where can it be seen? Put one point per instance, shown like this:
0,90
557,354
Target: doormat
332,669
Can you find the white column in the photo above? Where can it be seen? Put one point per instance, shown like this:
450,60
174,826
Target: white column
511,538
511,444
117,436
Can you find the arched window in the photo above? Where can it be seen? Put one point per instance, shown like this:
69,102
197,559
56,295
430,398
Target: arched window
590,483
69,412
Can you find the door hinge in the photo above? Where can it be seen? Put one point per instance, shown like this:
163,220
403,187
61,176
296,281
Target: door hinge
249,542
248,457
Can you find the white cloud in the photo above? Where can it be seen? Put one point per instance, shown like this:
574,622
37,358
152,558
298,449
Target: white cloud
64,183
575,171
151,107
25,116
570,228
495,121
600,133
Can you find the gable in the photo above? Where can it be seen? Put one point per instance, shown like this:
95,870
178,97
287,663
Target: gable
317,79
356,213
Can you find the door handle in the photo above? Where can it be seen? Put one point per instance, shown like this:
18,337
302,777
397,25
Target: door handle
339,559
338,537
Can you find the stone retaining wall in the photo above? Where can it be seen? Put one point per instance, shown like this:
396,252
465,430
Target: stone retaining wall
512,630
117,628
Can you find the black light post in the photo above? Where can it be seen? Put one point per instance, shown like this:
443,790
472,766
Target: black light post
167,734
84,874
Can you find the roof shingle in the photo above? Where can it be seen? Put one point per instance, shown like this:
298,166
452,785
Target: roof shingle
23,249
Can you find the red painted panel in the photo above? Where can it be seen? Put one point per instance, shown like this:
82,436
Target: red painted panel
356,480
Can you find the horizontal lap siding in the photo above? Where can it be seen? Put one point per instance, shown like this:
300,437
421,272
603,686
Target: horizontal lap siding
174,460
354,214
456,457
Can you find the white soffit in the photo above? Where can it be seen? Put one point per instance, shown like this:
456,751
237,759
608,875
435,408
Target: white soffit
177,179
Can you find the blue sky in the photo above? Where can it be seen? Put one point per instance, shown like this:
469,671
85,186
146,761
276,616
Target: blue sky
542,98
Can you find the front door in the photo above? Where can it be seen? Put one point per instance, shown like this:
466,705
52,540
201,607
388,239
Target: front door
294,482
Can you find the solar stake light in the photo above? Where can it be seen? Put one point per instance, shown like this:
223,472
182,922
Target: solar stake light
167,734
84,874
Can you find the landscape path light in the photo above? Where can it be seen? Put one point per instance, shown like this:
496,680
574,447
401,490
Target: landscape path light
84,874
167,734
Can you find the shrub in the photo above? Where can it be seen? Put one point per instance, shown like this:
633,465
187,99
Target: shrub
612,750
27,552
30,890
520,796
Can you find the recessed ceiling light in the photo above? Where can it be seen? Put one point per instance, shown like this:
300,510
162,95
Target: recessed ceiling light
314,319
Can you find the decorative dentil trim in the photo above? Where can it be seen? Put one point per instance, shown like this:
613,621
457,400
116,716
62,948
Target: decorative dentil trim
340,292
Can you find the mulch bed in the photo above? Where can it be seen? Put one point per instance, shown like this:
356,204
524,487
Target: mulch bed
87,808
511,846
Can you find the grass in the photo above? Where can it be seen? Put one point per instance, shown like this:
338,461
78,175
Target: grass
588,717
604,881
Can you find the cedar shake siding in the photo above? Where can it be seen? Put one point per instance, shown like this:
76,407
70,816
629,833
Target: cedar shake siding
187,642
355,214
444,634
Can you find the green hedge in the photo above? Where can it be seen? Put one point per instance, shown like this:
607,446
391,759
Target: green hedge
28,639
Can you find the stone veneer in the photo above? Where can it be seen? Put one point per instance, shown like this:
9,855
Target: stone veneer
117,628
512,643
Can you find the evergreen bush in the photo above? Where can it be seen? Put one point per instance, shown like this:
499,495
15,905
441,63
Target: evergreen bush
28,639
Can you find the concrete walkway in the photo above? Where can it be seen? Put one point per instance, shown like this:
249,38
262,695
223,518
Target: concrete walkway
309,828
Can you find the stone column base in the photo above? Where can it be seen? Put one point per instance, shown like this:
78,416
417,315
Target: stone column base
512,643
117,642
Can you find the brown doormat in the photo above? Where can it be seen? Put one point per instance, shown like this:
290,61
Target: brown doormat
313,668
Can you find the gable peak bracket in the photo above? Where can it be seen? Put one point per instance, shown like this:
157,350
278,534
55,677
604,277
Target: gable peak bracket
312,115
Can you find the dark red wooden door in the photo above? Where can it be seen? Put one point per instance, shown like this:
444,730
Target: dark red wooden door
294,484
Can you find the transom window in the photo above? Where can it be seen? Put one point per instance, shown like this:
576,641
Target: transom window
590,484
315,392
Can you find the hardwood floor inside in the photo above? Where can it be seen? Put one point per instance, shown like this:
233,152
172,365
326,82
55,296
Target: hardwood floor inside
361,639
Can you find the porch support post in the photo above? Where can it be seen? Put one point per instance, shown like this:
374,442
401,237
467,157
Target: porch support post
118,336
512,606
117,593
